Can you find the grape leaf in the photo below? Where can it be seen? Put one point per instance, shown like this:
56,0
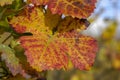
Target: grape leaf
82,49
12,62
38,2
68,22
5,2
48,51
40,55
51,20
37,19
53,52
74,8
34,17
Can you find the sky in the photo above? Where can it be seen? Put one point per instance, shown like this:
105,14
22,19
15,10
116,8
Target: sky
110,11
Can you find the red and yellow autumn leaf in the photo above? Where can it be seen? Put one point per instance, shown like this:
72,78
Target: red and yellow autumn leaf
47,51
44,53
74,8
53,52
81,49
37,19
31,18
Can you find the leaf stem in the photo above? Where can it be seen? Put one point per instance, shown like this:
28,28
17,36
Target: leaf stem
1,14
6,39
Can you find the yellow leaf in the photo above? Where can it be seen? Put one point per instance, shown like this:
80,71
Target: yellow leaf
5,2
109,33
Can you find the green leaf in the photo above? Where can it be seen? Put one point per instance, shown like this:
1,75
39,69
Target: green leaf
12,62
4,23
17,5
5,38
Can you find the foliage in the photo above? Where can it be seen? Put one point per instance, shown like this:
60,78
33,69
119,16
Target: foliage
78,8
11,61
5,2
49,40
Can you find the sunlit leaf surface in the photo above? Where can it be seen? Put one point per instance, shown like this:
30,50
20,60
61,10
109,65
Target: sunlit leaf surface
74,8
48,51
